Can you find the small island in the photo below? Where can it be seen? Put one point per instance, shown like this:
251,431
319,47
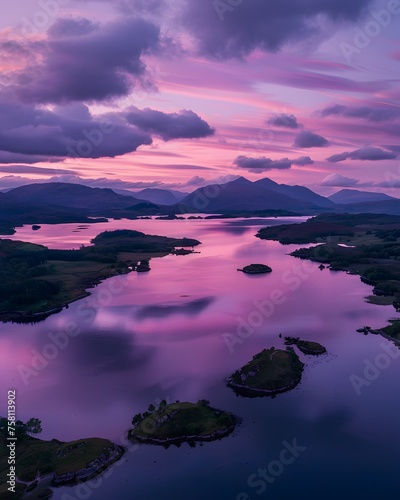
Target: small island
256,269
305,346
41,465
181,422
270,372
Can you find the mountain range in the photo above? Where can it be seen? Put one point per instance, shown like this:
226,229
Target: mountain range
65,202
347,196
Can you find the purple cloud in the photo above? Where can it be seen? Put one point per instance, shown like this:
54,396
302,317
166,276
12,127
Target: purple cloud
364,154
30,132
183,125
83,61
371,113
263,164
226,30
28,169
303,161
310,140
284,120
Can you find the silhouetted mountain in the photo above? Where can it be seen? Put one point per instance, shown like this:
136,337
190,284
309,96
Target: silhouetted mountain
299,193
243,195
14,213
346,196
60,194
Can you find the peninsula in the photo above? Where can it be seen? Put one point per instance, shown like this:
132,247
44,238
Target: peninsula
37,281
364,244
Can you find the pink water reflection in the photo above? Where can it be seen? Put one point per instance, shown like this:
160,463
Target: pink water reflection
162,336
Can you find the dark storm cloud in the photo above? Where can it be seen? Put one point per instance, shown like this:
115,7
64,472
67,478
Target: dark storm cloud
263,164
284,120
184,125
225,30
364,154
369,113
86,61
310,140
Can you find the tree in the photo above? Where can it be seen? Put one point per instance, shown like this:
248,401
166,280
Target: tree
137,419
203,402
33,426
151,408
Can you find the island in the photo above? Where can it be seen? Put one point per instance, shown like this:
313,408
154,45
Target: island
41,465
306,346
270,372
364,244
179,422
256,269
37,281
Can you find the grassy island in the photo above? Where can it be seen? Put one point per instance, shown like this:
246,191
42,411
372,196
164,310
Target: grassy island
270,372
305,346
256,269
363,244
41,464
36,281
181,422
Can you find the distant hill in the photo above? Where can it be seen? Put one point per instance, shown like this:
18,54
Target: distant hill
346,196
160,196
14,213
390,207
243,195
67,195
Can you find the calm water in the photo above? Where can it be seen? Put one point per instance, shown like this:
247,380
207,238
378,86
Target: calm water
164,335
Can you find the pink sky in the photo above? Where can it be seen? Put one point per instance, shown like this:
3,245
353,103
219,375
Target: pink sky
275,76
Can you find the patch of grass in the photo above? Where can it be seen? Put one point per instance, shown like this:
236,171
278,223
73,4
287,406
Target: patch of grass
270,371
178,421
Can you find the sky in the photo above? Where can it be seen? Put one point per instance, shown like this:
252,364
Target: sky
132,94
